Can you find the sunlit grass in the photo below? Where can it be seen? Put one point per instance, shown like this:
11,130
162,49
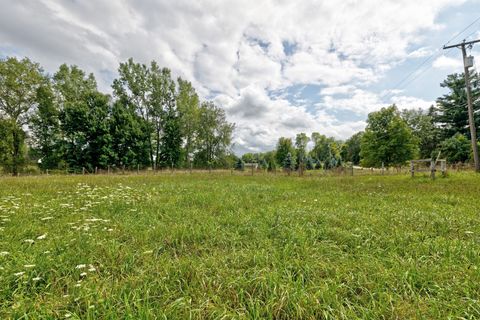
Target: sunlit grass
221,246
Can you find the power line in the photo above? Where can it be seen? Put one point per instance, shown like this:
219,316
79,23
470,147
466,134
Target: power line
435,54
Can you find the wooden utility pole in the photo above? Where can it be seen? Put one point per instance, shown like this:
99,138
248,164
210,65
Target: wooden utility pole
471,119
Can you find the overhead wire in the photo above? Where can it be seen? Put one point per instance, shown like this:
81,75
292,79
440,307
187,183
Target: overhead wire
417,72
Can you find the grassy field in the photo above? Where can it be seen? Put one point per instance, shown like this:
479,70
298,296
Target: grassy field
218,246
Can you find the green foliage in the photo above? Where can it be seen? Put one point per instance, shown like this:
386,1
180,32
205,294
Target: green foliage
188,105
284,147
86,127
71,84
19,83
451,111
248,157
387,139
12,146
214,136
240,165
130,136
326,150
310,163
424,129
289,162
45,129
456,149
147,247
301,141
350,150
270,157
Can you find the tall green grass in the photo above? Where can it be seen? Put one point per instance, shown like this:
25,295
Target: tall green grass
218,246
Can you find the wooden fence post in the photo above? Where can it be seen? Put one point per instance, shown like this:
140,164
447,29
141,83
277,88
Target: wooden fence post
412,168
83,170
432,169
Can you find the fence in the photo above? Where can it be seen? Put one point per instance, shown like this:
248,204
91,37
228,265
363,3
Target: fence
339,171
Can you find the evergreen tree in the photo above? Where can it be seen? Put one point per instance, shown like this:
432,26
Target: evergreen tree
289,162
240,165
451,112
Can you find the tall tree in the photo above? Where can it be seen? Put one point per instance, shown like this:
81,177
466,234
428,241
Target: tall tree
133,87
130,136
351,148
423,128
284,147
301,141
326,150
19,83
86,126
45,129
214,135
387,139
188,105
451,112
165,117
72,84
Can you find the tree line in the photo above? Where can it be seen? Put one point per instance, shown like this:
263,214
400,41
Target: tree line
64,121
391,137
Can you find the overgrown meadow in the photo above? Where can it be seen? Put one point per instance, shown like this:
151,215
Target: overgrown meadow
209,246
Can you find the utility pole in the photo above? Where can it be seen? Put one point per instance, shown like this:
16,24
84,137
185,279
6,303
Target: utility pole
471,119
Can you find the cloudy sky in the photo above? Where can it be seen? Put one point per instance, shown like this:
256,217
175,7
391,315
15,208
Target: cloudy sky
277,67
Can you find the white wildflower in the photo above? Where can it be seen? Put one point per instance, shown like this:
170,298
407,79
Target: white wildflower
19,274
80,266
29,241
4,253
37,279
28,266
43,236
83,274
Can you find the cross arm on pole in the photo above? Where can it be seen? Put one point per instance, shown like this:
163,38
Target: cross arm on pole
464,43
